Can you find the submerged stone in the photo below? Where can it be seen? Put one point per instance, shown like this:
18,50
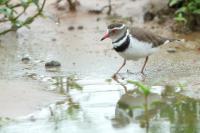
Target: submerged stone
52,64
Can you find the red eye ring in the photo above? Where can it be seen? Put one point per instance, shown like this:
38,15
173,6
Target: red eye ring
113,31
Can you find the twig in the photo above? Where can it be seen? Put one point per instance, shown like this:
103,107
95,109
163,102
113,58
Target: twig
72,5
27,21
98,11
109,7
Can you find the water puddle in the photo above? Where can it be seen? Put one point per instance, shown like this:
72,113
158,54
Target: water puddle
103,106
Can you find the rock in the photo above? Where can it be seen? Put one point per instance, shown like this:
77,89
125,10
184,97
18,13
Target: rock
25,59
71,28
148,16
52,64
171,50
80,27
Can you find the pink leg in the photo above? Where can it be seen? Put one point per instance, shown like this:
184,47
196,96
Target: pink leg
145,62
124,63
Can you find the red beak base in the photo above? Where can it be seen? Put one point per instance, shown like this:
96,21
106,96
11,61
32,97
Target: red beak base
105,36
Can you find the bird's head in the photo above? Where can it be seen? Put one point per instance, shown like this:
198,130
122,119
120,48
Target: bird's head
115,31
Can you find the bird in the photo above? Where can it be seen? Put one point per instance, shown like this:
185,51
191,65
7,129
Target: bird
133,43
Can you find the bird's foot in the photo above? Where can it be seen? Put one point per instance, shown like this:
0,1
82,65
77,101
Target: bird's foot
114,76
143,75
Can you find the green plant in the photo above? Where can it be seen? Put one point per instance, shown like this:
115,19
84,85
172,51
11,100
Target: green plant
13,13
188,12
72,83
144,89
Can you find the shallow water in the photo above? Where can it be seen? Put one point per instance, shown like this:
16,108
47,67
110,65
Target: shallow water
105,108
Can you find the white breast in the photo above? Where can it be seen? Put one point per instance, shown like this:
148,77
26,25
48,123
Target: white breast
137,49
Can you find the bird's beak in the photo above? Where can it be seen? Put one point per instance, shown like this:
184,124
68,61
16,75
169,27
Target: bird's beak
105,36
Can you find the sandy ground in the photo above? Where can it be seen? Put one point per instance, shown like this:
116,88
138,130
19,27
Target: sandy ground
80,52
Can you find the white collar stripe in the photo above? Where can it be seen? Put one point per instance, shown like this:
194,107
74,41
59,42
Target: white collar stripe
116,44
119,28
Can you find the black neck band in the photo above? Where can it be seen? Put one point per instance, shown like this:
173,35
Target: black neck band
123,46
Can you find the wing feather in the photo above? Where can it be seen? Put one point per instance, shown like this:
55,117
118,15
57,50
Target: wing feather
147,36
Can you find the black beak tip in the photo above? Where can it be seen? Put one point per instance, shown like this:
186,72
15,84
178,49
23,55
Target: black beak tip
102,39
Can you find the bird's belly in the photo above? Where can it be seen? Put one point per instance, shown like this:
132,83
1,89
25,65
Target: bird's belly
138,50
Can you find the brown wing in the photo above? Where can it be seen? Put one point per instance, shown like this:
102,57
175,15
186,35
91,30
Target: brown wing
147,36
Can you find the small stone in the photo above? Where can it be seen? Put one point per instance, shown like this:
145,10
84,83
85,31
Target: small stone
95,11
25,59
80,27
53,39
32,118
98,19
171,50
52,64
71,28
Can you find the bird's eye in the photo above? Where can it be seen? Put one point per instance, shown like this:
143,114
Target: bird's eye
113,31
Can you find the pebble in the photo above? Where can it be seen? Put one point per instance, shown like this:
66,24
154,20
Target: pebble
80,27
25,59
52,64
71,28
95,11
53,39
